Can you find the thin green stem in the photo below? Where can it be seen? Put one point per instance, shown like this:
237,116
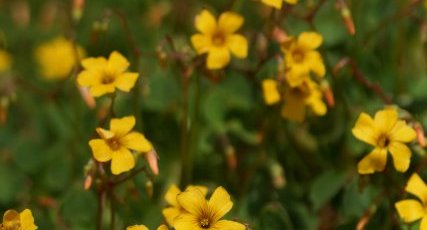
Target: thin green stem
112,211
184,133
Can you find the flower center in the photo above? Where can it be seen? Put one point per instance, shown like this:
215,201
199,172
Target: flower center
301,91
218,39
298,55
204,223
107,79
383,141
114,144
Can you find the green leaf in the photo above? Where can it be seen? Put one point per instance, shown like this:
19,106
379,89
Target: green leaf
325,187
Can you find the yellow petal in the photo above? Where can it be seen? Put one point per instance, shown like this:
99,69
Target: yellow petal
104,134
373,162
126,81
310,40
170,214
270,91
230,22
27,220
11,218
315,61
162,227
117,63
193,201
364,129
401,156
317,105
94,63
238,45
100,150
171,194
205,22
423,225
136,141
88,78
274,3
137,227
186,221
229,225
99,90
409,210
294,108
385,119
402,132
201,43
417,187
219,203
122,126
202,189
292,2
218,57
122,161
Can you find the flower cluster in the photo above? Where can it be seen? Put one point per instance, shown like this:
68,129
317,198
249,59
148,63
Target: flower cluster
294,85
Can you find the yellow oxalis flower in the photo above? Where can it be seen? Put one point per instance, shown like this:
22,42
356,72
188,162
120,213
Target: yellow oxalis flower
278,3
386,133
57,58
301,58
218,39
411,210
12,220
103,76
203,214
270,91
170,213
143,227
116,144
295,99
5,61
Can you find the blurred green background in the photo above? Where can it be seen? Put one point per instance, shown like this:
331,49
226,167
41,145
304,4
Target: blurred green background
43,142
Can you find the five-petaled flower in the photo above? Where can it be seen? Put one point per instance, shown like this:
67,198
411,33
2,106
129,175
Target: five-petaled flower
278,3
302,58
12,220
57,58
202,214
218,39
103,76
386,133
116,144
411,210
174,210
295,99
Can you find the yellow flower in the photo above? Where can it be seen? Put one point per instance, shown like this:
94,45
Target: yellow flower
116,144
104,76
386,133
143,227
411,210
219,39
20,221
170,213
278,3
301,58
5,61
295,99
57,58
270,91
203,214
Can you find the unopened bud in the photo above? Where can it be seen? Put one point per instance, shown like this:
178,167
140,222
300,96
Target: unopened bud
420,134
152,160
87,97
47,202
341,64
328,93
277,174
346,16
88,182
77,12
149,188
280,35
231,157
